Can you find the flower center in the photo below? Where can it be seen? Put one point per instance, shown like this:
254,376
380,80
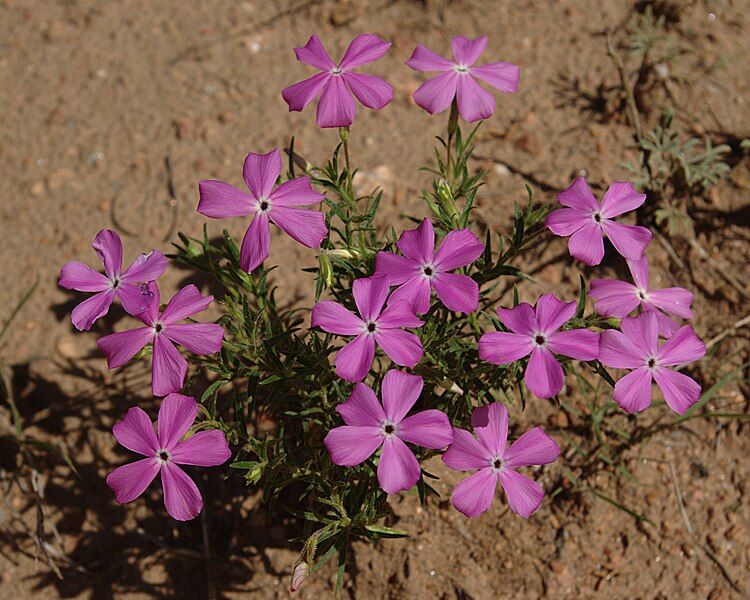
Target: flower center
372,327
497,463
428,270
163,455
597,217
388,429
337,71
116,283
463,69
651,362
539,339
158,327
641,294
264,204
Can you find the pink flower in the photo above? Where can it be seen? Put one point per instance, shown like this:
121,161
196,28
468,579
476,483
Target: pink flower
115,284
585,220
422,269
496,462
338,85
370,426
169,367
163,452
458,79
614,298
266,202
535,331
374,326
636,347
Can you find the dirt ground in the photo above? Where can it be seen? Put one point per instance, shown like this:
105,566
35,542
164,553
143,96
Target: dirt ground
107,104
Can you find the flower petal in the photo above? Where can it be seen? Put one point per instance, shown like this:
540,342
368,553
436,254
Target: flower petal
579,196
353,361
199,338
131,480
87,312
185,303
614,298
429,429
474,103
466,452
519,319
552,313
419,244
667,326
330,316
398,269
176,415
534,447
108,246
314,54
633,392
629,240
566,221
682,347
502,76
336,106
458,249
77,276
587,245
474,495
398,314
580,344
370,294
466,51
680,391
620,198
402,347
423,59
399,391
619,352
501,348
524,495
220,200
308,227
120,347
544,375
458,293
490,423
642,332
256,244
261,171
295,192
373,92
673,300
415,294
363,49
146,267
300,94
362,409
135,298
398,469
203,449
351,445
181,496
168,367
136,432
437,93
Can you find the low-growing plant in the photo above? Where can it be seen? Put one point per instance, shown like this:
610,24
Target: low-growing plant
402,359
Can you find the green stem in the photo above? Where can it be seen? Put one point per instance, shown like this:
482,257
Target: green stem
452,125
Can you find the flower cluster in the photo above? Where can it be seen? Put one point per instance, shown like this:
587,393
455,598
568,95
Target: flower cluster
383,302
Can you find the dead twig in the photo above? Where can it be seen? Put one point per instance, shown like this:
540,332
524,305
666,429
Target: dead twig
172,199
723,271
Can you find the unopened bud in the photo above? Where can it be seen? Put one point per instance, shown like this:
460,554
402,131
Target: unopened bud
450,386
344,253
445,198
326,270
194,251
299,574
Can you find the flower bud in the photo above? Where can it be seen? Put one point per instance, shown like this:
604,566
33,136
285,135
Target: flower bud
299,574
344,253
326,270
445,199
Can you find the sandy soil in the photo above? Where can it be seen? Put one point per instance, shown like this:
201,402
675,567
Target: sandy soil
106,103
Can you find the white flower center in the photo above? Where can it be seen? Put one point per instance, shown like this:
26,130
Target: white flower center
428,270
158,328
163,456
264,204
461,69
371,327
539,339
388,429
651,362
642,294
336,71
115,282
597,217
497,464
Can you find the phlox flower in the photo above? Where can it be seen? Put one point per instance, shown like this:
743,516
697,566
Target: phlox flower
168,367
164,452
615,298
114,283
637,347
422,269
585,220
535,331
338,85
497,463
373,327
267,203
370,425
458,79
